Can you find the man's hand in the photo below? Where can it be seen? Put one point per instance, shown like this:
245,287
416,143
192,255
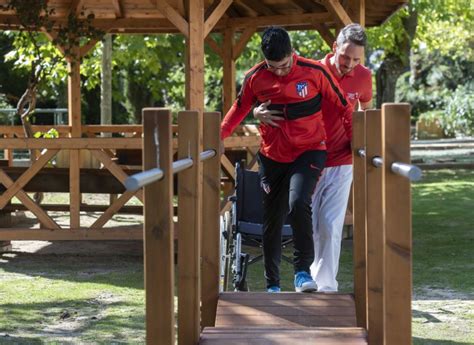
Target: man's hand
267,116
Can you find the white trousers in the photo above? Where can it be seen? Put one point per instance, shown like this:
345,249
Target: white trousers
329,206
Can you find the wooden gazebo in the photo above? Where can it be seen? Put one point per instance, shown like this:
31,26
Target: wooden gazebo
236,21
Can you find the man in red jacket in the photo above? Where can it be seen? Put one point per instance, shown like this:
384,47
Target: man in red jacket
286,91
332,192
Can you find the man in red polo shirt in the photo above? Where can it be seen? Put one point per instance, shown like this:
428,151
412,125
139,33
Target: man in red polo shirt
330,198
287,91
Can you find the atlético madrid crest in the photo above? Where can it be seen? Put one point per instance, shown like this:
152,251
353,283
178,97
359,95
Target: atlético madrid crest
302,88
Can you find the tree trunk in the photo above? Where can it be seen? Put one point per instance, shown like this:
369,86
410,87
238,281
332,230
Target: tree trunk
106,82
396,64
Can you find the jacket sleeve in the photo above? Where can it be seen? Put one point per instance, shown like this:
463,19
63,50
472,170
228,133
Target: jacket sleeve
332,92
241,107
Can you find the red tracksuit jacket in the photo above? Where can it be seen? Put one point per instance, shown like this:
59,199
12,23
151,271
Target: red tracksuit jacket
298,94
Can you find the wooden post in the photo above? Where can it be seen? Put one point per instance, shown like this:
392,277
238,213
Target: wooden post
195,56
158,230
74,113
210,221
359,213
229,88
398,252
375,229
189,235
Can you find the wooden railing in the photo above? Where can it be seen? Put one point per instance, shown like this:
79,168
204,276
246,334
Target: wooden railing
102,149
382,223
198,219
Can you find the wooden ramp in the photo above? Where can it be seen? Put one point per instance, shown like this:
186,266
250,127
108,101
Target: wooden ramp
284,318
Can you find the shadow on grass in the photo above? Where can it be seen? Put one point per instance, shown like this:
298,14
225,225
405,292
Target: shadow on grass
424,341
72,321
120,271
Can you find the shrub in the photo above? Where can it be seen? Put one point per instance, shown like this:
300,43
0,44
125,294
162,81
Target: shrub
458,116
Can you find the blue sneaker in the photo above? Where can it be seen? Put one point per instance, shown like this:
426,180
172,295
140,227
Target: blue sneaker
273,289
304,282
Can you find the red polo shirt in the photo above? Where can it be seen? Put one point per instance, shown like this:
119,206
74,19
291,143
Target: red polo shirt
357,86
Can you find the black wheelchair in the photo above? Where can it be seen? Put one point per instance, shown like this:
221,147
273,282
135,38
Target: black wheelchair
242,226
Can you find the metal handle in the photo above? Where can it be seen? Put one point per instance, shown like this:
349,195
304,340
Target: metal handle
139,180
410,171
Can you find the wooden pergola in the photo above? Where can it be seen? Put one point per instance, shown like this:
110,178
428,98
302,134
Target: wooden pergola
236,21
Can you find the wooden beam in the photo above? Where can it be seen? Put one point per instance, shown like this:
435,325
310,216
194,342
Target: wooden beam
215,16
259,7
71,143
118,8
210,238
242,42
228,63
52,36
86,48
42,216
215,46
359,211
173,16
398,252
283,20
158,230
115,169
338,12
325,33
190,218
195,57
26,177
375,229
115,233
75,7
112,210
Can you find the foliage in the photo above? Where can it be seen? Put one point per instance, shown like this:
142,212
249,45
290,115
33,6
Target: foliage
458,116
51,134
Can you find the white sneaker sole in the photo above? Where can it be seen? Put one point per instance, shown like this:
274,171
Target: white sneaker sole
307,287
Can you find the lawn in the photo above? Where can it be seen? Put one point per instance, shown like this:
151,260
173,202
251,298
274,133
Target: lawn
84,299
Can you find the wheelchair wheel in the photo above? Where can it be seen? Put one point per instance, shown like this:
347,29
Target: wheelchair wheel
225,250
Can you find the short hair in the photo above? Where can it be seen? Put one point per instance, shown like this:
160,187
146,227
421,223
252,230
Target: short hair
353,33
276,43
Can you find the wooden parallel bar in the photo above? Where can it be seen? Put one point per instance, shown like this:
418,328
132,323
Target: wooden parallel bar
398,250
375,229
112,233
210,239
190,218
359,212
158,230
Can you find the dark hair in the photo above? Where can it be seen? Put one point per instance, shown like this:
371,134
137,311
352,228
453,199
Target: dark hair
276,44
353,33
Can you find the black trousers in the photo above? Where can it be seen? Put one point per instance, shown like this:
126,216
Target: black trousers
288,188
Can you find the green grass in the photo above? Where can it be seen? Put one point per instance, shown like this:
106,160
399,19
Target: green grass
67,299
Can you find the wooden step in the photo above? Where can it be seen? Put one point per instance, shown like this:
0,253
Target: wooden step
275,336
284,310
